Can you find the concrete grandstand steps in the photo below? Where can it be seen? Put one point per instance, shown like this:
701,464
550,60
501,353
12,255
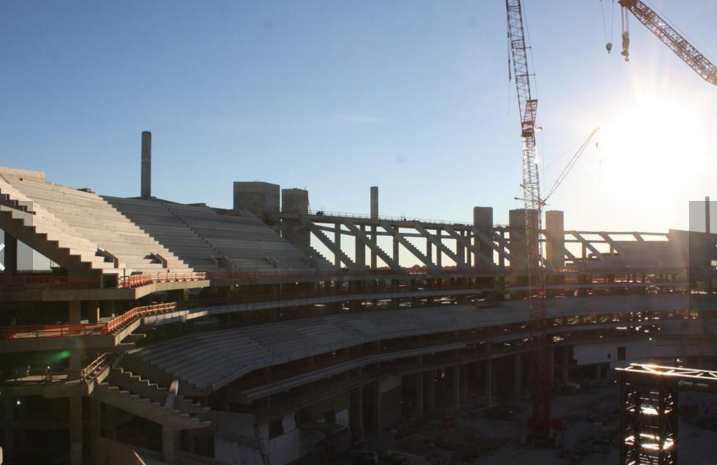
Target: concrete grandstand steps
50,236
321,261
80,215
173,419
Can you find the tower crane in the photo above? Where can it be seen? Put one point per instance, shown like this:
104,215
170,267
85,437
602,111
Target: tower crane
540,422
670,36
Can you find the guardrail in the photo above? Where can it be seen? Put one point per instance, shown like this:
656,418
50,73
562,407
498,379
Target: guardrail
134,281
76,330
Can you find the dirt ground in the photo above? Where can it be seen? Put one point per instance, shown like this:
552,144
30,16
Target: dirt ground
591,420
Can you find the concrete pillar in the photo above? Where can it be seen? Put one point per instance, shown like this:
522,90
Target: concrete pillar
75,429
378,408
551,366
555,245
430,378
257,197
489,381
517,223
11,255
8,415
429,251
74,312
337,241
360,411
374,215
110,422
360,252
460,250
146,164
419,394
93,312
517,375
483,221
167,445
456,387
439,253
396,249
95,429
296,201
565,363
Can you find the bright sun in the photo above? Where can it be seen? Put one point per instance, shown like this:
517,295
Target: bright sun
655,143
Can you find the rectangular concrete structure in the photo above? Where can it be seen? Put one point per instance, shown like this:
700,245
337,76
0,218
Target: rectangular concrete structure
257,197
146,165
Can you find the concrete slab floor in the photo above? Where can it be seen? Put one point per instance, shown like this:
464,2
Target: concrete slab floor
591,436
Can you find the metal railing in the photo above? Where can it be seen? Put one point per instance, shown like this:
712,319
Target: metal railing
134,281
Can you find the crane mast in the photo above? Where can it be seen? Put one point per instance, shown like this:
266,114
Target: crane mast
673,39
539,423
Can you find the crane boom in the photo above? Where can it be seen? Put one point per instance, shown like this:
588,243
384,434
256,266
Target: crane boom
570,165
539,423
673,39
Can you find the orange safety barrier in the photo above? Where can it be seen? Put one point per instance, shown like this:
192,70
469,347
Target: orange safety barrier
138,312
134,281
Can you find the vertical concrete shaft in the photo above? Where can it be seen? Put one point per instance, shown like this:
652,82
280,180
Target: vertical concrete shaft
296,201
489,381
337,241
360,413
439,253
94,425
517,375
707,215
456,387
146,164
430,378
8,416
167,445
75,429
555,247
93,312
378,408
374,215
360,252
396,249
419,394
11,255
517,220
483,222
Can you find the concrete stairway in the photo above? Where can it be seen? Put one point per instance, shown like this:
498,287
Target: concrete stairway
343,257
361,236
142,398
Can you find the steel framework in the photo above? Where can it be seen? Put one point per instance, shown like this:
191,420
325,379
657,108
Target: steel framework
649,418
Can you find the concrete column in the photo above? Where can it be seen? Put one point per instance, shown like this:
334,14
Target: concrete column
430,379
337,241
361,252
296,201
565,364
93,312
439,253
456,387
429,251
74,314
146,164
489,381
360,410
551,366
483,221
517,222
517,375
396,249
555,246
419,394
95,429
374,215
8,415
167,445
110,422
460,250
11,255
378,414
75,429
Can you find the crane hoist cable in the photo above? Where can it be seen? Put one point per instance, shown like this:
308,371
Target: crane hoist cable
571,163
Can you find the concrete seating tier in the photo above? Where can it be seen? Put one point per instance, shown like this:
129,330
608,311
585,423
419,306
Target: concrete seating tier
198,233
84,215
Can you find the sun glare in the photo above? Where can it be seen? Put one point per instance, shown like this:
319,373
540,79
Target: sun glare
655,143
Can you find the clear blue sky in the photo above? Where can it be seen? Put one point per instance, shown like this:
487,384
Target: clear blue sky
336,96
